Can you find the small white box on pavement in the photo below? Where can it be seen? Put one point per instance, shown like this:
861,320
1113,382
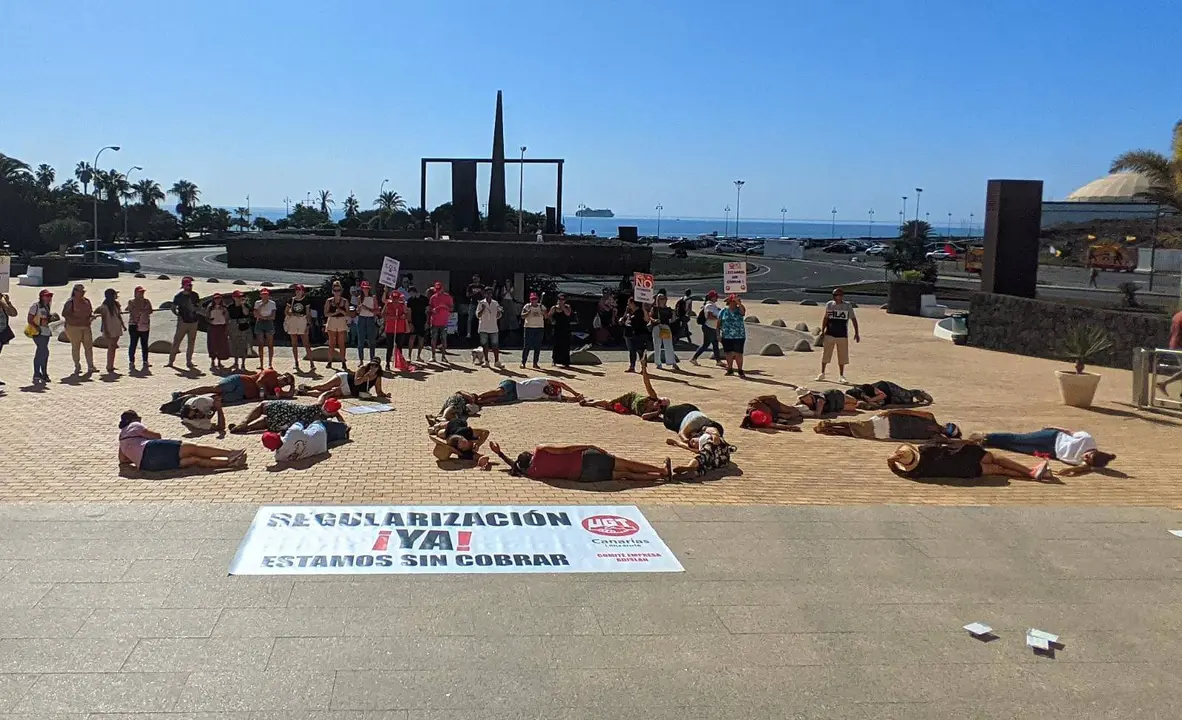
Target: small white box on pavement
1037,643
1042,634
978,629
1176,532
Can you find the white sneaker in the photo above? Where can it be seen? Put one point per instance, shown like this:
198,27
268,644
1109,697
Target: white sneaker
821,377
841,378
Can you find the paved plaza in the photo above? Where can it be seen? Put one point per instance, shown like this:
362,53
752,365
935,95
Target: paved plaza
816,584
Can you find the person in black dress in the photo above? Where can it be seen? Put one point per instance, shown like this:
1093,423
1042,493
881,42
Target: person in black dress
561,315
635,332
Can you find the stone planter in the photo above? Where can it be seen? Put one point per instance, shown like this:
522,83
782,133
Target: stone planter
903,298
1077,389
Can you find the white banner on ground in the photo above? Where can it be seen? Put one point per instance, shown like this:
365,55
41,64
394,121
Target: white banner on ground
642,287
399,540
734,277
5,272
389,274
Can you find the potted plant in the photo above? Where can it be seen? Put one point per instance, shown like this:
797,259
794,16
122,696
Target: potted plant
908,260
1077,388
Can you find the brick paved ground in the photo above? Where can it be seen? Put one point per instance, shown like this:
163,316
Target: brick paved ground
60,444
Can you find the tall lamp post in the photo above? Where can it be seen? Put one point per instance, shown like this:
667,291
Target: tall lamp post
783,211
726,224
970,225
520,190
949,224
871,223
287,204
903,216
582,207
738,189
918,196
94,170
382,210
1153,248
833,223
659,208
127,176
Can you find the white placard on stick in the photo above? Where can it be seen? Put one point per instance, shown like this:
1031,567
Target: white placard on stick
5,272
642,287
389,274
393,539
734,277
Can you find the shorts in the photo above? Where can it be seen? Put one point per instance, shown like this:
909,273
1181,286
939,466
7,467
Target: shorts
492,340
597,466
295,324
509,387
338,432
231,389
338,324
439,333
843,349
263,328
733,345
160,455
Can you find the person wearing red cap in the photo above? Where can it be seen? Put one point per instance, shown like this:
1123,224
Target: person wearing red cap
302,441
264,326
533,320
40,315
279,415
367,323
336,324
440,307
217,338
240,330
395,323
295,324
139,322
185,307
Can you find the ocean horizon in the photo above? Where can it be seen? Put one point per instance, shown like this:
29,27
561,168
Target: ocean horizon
690,227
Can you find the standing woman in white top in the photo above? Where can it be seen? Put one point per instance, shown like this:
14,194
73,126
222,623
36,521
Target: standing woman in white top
217,335
367,323
40,315
264,327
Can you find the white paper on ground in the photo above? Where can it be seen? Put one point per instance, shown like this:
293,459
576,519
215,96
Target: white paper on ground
978,628
1176,532
1037,642
367,409
1043,635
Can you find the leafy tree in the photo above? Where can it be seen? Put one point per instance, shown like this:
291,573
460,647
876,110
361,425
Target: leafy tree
1164,173
909,253
149,192
13,171
388,203
45,176
262,223
200,218
221,220
63,232
242,217
915,229
306,216
84,173
326,201
352,207
69,186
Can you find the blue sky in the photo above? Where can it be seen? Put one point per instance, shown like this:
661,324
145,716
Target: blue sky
814,104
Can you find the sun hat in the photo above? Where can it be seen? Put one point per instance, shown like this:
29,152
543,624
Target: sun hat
272,441
802,391
236,293
711,295
438,285
908,457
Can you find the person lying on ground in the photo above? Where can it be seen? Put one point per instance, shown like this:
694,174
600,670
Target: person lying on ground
585,463
365,384
647,406
963,460
149,452
829,402
244,387
766,411
454,437
305,441
199,411
897,424
1077,448
509,391
884,393
711,450
460,405
279,415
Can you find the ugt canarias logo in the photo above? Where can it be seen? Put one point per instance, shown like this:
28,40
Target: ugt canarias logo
610,525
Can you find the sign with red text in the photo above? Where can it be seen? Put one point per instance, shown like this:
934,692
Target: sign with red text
403,540
734,277
642,287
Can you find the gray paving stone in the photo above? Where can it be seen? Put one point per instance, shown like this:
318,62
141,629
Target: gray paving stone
23,531
227,530
663,652
334,715
56,571
279,622
408,592
270,690
508,652
102,693
78,512
103,548
392,622
341,653
168,716
22,595
835,617
199,654
87,655
150,623
262,592
41,622
174,571
659,619
105,595
394,690
207,512
508,620
13,688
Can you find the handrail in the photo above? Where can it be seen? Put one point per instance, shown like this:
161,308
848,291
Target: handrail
1154,356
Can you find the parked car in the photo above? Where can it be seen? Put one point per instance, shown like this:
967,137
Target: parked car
878,249
941,255
730,247
125,262
682,244
841,247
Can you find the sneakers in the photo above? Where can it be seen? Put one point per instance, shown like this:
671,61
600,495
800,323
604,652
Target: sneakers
821,377
841,379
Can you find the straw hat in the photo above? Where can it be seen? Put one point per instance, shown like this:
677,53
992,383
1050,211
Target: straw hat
907,457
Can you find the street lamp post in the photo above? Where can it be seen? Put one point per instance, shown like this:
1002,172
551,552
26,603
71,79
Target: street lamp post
582,207
382,210
903,216
970,225
520,189
738,189
918,197
128,177
833,224
1153,248
871,223
659,209
287,204
94,171
949,224
726,224
783,211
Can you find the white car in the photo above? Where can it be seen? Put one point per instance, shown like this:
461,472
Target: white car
941,255
878,249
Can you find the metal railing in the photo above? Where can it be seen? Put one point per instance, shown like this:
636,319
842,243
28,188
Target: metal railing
1150,367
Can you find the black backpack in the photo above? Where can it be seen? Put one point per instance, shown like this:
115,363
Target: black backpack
702,317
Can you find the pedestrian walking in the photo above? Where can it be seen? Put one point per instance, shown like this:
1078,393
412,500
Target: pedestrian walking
683,310
139,323
40,315
835,333
185,308
217,332
111,326
708,321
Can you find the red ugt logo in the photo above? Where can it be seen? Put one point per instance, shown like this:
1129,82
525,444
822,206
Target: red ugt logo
610,525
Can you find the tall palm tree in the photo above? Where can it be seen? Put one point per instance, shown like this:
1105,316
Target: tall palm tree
69,186
187,194
242,217
1164,173
45,176
114,184
352,207
85,173
13,171
326,201
390,201
148,191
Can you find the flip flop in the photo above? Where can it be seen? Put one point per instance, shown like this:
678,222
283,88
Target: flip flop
1040,470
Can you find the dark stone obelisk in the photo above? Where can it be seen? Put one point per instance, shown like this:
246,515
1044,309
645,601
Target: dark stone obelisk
496,185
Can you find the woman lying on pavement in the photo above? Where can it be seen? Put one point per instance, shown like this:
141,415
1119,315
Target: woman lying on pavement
828,402
966,461
897,424
711,450
454,437
1076,448
766,411
460,405
242,387
364,384
885,393
647,406
279,415
148,451
510,391
585,463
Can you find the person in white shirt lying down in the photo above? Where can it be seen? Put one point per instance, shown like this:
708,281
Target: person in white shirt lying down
1072,447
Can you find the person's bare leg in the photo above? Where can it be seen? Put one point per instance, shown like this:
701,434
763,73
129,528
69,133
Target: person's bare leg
602,404
255,414
271,351
1169,381
208,463
203,390
308,351
295,351
489,397
112,349
620,476
739,361
261,346
205,451
634,467
997,465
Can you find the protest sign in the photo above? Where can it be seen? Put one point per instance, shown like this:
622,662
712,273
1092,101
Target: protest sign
642,287
5,272
376,540
734,277
389,274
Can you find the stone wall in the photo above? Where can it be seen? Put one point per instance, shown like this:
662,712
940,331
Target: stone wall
1040,328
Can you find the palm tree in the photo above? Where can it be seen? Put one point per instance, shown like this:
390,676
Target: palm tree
242,217
114,183
12,170
352,207
919,229
85,173
1164,173
187,195
69,186
44,176
149,192
326,201
390,201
